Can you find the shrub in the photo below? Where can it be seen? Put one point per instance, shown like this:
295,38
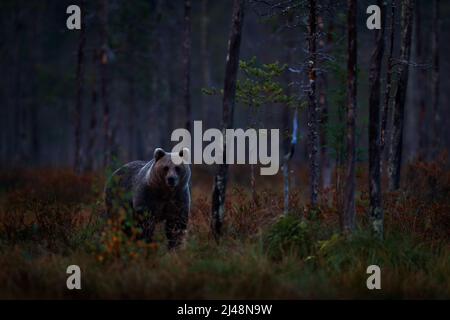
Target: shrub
291,235
50,207
117,244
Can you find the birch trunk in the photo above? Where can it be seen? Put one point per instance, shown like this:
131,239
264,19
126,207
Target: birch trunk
290,127
388,90
348,215
375,210
325,162
313,116
395,152
229,94
287,157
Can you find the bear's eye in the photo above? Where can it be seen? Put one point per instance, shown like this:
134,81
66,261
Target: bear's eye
166,168
177,169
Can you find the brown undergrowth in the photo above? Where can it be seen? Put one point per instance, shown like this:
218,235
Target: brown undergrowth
52,218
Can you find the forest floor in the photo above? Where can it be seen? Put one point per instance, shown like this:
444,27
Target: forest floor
50,219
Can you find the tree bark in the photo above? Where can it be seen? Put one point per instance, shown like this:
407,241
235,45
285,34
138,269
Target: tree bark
206,72
435,78
90,159
348,216
131,117
388,90
421,86
18,141
325,162
104,79
313,112
375,210
187,63
229,94
395,152
131,103
290,125
36,58
80,90
286,159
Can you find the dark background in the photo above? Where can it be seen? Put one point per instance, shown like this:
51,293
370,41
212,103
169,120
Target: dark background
38,60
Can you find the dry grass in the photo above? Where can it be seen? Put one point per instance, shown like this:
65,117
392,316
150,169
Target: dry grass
50,219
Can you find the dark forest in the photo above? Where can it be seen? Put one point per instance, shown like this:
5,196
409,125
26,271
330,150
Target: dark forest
362,170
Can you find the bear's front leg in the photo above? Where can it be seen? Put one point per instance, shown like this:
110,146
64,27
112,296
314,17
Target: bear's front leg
175,230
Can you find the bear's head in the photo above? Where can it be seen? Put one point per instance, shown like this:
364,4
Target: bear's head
171,169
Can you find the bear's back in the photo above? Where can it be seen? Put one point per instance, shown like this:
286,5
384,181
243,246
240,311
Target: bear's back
124,180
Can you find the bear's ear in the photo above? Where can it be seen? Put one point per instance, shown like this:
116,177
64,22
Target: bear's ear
185,154
158,154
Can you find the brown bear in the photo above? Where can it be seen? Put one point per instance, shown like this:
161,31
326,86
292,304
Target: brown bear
153,192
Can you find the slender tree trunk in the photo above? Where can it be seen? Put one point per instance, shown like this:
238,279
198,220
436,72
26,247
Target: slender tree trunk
435,79
168,77
395,152
80,90
229,94
339,164
325,162
18,119
420,87
131,116
348,216
36,58
90,158
376,211
104,79
187,63
313,112
157,97
290,126
388,90
206,72
286,159
255,123
170,82
132,122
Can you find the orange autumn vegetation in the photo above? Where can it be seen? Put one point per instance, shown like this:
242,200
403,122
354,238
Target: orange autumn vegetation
51,218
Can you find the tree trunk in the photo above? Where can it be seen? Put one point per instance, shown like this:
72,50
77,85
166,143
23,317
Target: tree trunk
206,72
313,116
90,158
290,125
325,162
348,216
395,152
435,79
131,117
18,140
287,157
376,211
132,124
421,87
80,89
229,94
388,90
36,58
187,63
107,134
